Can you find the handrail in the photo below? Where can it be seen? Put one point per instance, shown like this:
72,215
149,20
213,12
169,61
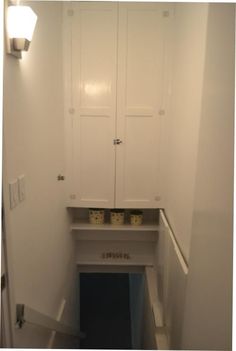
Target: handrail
25,314
176,246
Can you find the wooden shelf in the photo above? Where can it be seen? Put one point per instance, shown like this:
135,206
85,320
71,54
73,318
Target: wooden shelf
150,227
116,236
109,245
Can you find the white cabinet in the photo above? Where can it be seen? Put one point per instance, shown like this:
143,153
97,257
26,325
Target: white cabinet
90,66
139,99
114,61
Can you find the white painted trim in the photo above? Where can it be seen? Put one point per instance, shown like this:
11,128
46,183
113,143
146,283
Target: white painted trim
25,314
111,227
174,241
161,339
5,320
151,276
131,263
98,268
116,235
161,334
59,317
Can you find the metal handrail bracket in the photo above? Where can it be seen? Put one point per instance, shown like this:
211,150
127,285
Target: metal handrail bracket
20,315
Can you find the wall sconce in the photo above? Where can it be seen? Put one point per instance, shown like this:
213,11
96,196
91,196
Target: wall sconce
21,21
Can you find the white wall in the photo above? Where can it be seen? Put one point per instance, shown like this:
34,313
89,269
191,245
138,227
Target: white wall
209,291
41,248
189,35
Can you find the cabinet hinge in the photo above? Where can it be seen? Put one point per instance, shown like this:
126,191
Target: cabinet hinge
166,13
71,110
161,112
70,12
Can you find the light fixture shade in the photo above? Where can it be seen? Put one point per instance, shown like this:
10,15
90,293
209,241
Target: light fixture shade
21,21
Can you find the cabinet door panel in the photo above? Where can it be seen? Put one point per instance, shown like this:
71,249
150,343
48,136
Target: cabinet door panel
94,152
139,170
93,60
140,85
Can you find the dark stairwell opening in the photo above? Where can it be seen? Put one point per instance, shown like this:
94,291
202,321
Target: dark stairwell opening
106,310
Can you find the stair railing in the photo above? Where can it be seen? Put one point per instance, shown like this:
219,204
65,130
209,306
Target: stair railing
25,314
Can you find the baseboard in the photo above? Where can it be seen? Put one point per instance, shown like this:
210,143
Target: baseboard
59,317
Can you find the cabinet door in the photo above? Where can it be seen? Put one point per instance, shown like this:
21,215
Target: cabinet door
139,101
90,64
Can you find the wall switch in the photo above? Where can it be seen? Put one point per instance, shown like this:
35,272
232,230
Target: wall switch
13,191
21,187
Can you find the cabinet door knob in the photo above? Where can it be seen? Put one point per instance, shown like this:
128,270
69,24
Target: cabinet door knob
117,141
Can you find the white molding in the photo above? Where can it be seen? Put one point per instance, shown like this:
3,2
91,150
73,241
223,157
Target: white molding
26,314
157,308
110,227
175,243
98,268
161,335
136,262
59,318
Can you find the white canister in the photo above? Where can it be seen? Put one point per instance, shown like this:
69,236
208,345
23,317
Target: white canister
136,217
96,215
117,216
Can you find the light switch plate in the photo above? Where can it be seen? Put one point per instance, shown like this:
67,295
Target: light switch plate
21,187
13,191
